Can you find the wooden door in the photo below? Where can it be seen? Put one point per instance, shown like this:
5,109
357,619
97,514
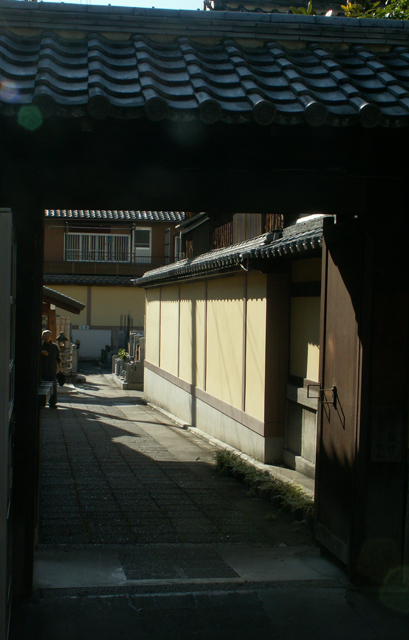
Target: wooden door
361,472
7,330
338,417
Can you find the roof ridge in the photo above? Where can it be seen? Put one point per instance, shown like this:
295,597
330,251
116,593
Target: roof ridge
300,238
115,214
130,20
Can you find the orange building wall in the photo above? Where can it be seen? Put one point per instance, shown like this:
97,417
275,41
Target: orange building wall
55,230
54,240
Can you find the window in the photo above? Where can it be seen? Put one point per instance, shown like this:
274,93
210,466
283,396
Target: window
142,251
177,249
167,245
87,247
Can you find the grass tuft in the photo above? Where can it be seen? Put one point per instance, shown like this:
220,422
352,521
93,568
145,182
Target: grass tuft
285,495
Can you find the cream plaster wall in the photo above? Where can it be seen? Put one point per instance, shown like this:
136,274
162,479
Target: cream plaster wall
192,333
78,293
224,347
304,337
169,329
183,354
215,361
152,328
256,344
108,303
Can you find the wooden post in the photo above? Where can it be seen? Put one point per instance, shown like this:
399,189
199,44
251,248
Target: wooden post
29,217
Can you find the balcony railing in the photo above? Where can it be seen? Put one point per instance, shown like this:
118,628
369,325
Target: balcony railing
74,255
136,268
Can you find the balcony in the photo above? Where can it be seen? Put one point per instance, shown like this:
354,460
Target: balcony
74,267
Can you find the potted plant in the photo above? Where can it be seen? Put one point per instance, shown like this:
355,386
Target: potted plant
120,362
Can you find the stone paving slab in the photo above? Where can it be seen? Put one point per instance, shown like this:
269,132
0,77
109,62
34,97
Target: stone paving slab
116,471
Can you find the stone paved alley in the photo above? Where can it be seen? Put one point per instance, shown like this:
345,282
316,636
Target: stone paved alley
140,537
112,475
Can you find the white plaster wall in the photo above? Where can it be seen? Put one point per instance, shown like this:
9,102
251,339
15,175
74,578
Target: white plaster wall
166,395
92,341
180,403
301,431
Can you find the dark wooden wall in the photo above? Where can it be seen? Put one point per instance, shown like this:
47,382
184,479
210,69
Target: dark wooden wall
222,230
273,222
54,240
246,226
28,217
139,164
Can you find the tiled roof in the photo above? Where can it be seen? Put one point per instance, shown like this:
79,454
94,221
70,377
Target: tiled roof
295,240
90,214
123,281
212,65
62,301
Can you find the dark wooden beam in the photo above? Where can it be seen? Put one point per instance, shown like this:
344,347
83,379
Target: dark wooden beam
28,218
191,189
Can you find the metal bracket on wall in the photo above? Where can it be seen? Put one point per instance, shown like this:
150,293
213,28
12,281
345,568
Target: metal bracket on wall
322,396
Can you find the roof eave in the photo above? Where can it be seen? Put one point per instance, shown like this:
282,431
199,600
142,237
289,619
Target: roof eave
61,301
247,260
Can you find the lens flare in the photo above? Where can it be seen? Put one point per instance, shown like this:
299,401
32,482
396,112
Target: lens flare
30,117
394,593
8,91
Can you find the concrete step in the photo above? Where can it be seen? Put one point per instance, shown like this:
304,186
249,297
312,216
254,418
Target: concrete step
281,611
171,565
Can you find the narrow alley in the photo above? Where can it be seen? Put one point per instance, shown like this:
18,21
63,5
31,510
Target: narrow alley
141,537
115,471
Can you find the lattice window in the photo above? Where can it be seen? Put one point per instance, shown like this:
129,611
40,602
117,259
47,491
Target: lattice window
95,247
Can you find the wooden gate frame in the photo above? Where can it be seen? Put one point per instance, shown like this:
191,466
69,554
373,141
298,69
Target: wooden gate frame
374,551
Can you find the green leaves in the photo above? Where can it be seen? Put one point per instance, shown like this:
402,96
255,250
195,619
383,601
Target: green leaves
309,11
390,9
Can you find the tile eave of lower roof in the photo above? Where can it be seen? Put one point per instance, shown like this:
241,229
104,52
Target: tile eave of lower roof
123,281
119,216
306,238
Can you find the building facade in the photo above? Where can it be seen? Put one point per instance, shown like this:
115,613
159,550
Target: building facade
232,342
93,257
